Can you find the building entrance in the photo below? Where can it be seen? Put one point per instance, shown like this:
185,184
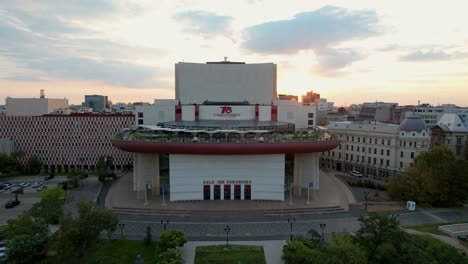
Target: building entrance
227,192
206,192
217,192
237,192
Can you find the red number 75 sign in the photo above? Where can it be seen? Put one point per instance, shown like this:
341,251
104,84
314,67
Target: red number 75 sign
226,109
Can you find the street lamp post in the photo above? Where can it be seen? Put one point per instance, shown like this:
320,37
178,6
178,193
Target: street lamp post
291,220
227,229
322,226
365,199
122,227
164,223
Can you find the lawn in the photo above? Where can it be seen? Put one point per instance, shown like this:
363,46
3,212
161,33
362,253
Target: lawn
235,254
429,228
114,251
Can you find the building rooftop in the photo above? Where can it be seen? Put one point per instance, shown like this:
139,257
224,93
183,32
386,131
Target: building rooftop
412,123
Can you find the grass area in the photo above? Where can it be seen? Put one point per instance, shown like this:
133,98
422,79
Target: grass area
432,228
234,254
113,251
429,228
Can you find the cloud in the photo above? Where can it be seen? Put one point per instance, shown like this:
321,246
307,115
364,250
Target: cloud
320,30
204,23
317,29
332,59
111,72
432,55
50,47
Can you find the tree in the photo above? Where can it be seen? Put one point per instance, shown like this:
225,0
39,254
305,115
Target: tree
77,234
50,207
33,165
27,238
438,178
17,155
303,251
101,169
170,256
343,250
380,237
7,163
171,239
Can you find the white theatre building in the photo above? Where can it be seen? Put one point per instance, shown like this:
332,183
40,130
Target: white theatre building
225,137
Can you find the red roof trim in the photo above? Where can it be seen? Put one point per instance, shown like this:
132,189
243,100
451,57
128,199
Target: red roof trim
225,148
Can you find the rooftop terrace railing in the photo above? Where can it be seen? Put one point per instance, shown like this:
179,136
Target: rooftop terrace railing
226,138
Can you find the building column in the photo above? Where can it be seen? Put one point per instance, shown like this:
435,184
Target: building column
146,171
297,190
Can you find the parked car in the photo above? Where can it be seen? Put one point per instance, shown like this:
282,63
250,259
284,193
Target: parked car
24,184
40,188
12,203
36,185
356,174
48,177
8,185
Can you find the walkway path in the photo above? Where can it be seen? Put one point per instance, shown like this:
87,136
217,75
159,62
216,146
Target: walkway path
272,248
449,240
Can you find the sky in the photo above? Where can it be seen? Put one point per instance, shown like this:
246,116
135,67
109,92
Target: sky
348,51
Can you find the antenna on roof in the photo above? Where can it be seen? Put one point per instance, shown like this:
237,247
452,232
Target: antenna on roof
42,94
225,59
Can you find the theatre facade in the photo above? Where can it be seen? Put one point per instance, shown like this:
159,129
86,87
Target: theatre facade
225,137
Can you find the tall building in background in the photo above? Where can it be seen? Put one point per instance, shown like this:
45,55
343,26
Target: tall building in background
33,106
97,102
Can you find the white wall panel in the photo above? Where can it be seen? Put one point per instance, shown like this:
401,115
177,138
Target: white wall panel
197,82
188,172
231,112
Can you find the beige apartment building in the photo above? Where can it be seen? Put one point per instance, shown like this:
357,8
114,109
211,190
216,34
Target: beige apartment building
33,106
378,150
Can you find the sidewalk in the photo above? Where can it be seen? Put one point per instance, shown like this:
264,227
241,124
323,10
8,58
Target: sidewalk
273,249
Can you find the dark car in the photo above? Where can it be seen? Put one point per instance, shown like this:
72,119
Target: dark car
12,203
48,177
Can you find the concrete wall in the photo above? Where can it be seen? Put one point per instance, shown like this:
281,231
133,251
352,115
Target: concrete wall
306,170
153,114
188,173
146,171
234,112
294,112
7,146
33,106
197,82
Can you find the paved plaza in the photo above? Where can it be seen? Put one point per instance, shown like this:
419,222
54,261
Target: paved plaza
332,196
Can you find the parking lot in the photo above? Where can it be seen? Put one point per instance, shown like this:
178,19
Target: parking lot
27,199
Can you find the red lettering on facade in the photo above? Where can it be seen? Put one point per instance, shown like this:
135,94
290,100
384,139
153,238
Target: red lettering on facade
226,109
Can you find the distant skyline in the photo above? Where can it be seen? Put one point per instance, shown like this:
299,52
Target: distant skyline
348,51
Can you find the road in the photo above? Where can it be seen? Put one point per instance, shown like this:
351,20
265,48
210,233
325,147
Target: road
276,228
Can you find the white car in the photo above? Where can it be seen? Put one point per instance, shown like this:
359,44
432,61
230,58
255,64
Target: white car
356,174
8,185
36,185
24,184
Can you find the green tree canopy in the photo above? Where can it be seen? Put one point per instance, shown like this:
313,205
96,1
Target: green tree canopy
27,239
438,177
50,207
78,234
171,239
